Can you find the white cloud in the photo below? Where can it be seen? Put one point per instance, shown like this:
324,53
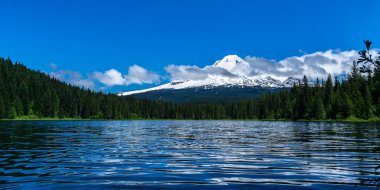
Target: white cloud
74,78
183,72
318,64
139,75
136,75
109,78
52,66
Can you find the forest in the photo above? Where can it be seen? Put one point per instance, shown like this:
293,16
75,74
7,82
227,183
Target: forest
25,93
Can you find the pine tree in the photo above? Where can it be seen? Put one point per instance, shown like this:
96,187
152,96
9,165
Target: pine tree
355,71
317,111
317,108
346,106
336,84
12,113
18,106
305,102
327,96
367,105
2,108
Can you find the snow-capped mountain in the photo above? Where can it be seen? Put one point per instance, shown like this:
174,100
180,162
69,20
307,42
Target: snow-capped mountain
290,81
237,78
230,62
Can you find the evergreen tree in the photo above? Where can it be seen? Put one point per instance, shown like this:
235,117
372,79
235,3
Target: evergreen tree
355,71
327,96
336,84
346,107
305,99
18,106
317,111
12,113
2,107
366,110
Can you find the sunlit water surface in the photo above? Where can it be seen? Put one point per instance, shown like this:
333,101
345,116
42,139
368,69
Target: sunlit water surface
188,155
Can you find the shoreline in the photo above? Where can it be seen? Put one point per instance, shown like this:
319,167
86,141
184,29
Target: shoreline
372,120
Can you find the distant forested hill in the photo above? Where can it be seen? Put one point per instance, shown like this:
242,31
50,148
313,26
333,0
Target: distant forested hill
26,93
210,95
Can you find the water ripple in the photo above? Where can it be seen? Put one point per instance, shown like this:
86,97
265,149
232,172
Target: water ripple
188,154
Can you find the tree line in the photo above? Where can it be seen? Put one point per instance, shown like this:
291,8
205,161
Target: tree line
25,92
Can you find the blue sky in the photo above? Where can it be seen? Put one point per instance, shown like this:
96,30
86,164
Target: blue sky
85,36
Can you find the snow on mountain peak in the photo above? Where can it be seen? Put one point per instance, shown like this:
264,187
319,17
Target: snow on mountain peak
229,62
233,64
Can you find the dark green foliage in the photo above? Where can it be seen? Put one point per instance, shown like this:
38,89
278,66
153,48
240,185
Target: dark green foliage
18,106
328,97
210,95
317,110
2,107
368,60
12,113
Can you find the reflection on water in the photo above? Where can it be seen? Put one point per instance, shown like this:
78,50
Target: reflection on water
188,154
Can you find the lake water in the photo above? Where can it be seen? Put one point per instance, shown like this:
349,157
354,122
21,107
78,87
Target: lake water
188,155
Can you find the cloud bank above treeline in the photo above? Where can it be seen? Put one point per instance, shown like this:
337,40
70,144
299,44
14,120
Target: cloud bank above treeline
314,65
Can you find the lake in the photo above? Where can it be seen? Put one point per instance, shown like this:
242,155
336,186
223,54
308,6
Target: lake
188,155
